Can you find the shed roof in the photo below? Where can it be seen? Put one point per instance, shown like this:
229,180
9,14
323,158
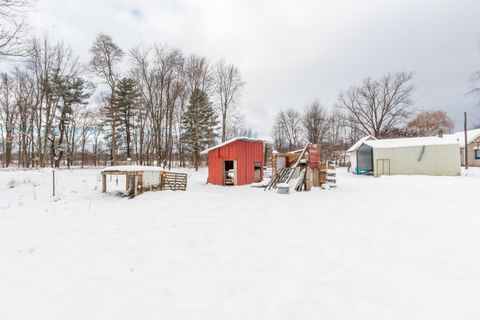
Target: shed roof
472,135
230,141
410,142
133,168
360,142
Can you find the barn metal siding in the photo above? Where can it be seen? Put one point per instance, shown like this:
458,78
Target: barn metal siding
436,160
245,153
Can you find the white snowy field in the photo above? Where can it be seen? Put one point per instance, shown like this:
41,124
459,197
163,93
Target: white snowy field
374,248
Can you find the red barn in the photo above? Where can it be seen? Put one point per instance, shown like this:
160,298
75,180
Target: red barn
238,161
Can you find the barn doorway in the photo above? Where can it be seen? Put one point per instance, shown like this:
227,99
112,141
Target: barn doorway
258,171
229,173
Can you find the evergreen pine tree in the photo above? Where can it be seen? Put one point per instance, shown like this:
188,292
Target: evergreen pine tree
199,123
68,94
127,100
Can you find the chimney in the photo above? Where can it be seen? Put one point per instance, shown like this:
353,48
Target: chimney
440,133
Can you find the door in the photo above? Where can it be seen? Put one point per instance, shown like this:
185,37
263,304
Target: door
229,173
281,162
383,167
258,171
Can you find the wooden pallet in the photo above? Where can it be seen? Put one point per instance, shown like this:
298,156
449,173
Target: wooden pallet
174,181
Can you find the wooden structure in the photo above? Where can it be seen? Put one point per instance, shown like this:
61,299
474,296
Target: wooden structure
328,174
139,179
304,165
238,161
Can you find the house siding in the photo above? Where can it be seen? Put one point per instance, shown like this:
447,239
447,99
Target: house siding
471,154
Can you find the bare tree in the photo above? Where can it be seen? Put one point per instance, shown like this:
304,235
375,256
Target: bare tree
13,25
51,64
25,97
198,74
106,55
8,115
228,83
475,79
288,129
315,122
430,123
236,127
377,106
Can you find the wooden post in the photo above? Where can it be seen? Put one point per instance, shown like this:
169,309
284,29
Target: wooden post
53,180
104,182
135,185
465,150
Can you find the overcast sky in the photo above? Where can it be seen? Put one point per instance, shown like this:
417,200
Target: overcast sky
293,52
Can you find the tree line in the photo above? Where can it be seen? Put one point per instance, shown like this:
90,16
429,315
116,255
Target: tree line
153,104
156,105
380,107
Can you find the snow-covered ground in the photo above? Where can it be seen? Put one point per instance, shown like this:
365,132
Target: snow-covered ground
373,248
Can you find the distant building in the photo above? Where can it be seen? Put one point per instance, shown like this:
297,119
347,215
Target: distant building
473,146
238,161
409,156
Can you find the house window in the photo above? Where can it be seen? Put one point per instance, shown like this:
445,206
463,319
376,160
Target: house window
477,154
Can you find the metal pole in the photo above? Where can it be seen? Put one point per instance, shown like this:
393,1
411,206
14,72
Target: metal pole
465,150
53,176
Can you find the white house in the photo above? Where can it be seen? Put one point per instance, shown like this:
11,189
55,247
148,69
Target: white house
473,146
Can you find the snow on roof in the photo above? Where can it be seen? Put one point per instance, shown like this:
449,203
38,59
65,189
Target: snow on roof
410,142
133,168
472,135
230,141
360,142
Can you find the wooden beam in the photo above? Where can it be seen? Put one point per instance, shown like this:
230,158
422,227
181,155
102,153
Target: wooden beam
104,182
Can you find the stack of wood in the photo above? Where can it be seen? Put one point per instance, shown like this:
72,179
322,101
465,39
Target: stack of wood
282,176
328,174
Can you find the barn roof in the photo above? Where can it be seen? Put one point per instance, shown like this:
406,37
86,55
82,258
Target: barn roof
410,142
230,141
472,135
360,142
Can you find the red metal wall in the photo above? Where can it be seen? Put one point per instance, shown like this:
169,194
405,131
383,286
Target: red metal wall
246,153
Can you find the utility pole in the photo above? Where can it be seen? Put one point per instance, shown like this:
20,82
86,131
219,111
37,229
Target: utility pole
465,149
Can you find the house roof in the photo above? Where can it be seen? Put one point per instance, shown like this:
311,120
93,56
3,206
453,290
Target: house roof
472,135
230,141
410,142
360,142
